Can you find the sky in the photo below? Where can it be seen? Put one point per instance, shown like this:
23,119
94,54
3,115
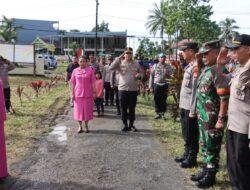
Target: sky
130,15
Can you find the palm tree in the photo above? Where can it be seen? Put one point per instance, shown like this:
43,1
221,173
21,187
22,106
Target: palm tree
157,19
227,29
8,31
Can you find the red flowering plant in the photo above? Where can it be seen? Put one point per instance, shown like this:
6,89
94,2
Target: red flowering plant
19,92
36,86
175,87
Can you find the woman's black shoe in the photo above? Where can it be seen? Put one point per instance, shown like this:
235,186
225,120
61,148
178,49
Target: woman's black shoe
125,128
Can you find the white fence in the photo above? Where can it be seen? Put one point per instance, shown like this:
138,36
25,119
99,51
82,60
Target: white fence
24,57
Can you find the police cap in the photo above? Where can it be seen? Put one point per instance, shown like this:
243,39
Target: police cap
240,40
189,45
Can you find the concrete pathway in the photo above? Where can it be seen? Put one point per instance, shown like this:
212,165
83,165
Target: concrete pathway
103,159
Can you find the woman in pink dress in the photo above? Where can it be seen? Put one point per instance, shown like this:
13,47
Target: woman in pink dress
3,159
83,92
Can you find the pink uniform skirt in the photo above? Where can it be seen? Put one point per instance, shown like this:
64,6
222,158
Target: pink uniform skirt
83,109
3,159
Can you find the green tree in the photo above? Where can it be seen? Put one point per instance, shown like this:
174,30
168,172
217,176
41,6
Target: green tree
62,32
148,49
74,46
157,19
227,29
185,19
191,19
103,27
8,30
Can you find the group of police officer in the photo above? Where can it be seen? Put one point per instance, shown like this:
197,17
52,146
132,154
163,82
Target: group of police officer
212,98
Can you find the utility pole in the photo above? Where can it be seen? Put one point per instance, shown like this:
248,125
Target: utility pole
96,25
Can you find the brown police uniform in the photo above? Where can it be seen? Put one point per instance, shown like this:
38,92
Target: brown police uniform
238,136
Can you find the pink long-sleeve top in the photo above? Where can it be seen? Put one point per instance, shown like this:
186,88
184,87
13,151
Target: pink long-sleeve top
83,81
99,88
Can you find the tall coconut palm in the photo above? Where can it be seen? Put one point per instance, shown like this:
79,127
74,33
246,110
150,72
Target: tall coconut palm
8,31
227,29
157,19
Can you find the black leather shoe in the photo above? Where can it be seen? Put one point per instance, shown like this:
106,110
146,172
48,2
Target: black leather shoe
133,128
189,162
207,181
157,116
125,128
179,159
198,176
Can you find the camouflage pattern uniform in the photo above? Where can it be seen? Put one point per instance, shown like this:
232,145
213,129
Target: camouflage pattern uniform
210,90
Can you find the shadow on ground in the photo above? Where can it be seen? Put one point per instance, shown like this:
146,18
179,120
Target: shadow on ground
28,184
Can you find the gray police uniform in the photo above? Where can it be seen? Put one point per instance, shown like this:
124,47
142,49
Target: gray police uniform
114,81
158,81
4,69
109,92
128,87
190,131
238,139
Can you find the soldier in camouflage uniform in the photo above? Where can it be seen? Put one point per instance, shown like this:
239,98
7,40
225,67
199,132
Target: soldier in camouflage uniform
212,101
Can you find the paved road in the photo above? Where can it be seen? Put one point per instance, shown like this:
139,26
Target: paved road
104,159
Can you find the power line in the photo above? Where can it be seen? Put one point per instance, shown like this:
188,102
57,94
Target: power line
76,18
124,18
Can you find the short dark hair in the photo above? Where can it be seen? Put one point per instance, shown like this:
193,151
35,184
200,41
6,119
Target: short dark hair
99,72
128,49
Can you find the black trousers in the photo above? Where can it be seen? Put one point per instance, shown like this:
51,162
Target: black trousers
160,98
7,98
117,102
99,105
128,101
190,132
238,160
109,93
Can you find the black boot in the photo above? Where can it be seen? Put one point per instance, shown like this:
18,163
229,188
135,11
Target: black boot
125,127
199,175
132,127
190,161
208,180
181,158
118,112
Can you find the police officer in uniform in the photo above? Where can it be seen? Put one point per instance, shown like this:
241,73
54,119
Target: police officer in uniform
190,131
130,72
238,134
5,67
212,101
158,84
114,81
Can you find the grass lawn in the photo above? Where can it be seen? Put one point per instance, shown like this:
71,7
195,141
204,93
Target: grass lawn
169,132
34,117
